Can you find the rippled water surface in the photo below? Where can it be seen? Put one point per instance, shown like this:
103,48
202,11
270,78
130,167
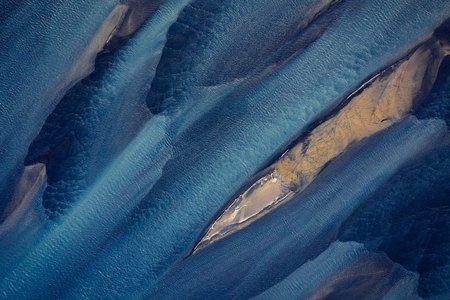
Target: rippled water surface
232,149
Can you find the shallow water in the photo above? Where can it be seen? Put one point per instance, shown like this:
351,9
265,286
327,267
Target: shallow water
128,129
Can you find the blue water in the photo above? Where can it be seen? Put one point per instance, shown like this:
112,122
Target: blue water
269,249
39,45
144,146
346,264
230,143
408,217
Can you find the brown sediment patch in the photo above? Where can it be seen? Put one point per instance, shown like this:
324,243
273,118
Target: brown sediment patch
123,21
137,13
32,179
85,62
370,272
388,98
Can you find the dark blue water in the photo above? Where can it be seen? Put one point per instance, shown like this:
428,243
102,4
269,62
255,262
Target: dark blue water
114,162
